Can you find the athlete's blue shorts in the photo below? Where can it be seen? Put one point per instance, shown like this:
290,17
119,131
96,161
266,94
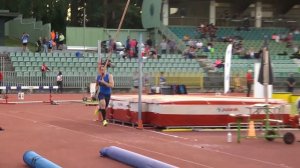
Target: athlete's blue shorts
105,97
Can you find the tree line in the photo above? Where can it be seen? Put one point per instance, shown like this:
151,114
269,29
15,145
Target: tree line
62,13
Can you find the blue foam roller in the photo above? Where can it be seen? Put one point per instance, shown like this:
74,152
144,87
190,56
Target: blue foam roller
132,159
34,160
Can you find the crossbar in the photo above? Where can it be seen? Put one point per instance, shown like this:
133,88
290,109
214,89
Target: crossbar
27,87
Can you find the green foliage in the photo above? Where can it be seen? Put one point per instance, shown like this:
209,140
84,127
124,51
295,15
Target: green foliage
99,13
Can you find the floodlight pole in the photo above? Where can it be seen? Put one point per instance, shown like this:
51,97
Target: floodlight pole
84,25
140,60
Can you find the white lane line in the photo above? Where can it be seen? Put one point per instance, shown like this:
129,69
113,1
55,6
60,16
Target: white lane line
175,136
161,133
247,158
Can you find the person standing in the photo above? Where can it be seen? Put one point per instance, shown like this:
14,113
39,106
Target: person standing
104,84
39,45
291,82
25,40
237,83
1,81
61,39
163,46
59,80
249,78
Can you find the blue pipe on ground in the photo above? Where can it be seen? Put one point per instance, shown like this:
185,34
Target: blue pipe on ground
132,159
34,160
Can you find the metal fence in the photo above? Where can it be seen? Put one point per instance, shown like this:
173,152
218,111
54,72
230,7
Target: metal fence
32,79
196,81
228,22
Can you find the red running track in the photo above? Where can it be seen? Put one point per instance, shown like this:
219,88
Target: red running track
67,135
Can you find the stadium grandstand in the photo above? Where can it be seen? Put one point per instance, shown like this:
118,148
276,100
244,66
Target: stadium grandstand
188,38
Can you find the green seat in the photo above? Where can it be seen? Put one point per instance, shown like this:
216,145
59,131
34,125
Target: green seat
30,69
74,69
55,54
80,59
45,59
63,59
77,64
25,54
14,59
68,69
24,68
89,65
57,59
22,64
32,59
83,64
38,59
20,59
53,64
71,64
36,68
69,60
17,68
65,64
75,60
15,64
49,54
51,59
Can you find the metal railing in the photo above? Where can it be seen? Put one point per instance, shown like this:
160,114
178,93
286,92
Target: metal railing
35,78
191,80
230,22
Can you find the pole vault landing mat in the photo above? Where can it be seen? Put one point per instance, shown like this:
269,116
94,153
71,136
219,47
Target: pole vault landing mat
190,110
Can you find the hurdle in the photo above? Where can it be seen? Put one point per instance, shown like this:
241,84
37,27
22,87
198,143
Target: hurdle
20,88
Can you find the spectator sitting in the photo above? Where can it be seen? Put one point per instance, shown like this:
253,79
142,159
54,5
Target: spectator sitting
153,53
209,48
199,45
219,63
189,52
296,55
186,39
238,48
273,37
258,54
251,53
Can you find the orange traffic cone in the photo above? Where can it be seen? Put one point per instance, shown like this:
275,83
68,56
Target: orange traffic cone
251,130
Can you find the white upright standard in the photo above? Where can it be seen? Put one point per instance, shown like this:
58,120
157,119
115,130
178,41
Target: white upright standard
259,88
227,68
